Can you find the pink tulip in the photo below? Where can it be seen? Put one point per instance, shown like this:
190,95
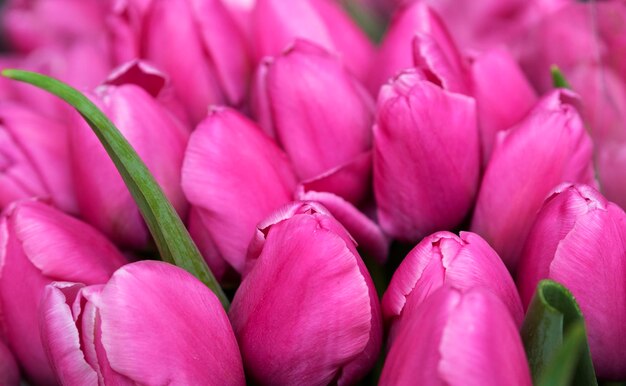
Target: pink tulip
151,324
525,166
39,244
9,372
302,115
503,95
33,158
31,24
396,53
277,24
426,157
457,338
206,56
578,241
139,116
307,303
233,176
442,258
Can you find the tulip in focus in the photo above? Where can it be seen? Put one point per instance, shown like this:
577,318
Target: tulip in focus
308,303
462,262
457,338
234,176
159,139
295,107
39,244
277,24
578,241
151,324
548,147
426,157
206,56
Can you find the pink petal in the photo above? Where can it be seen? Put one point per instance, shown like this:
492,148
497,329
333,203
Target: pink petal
290,309
161,325
236,175
9,372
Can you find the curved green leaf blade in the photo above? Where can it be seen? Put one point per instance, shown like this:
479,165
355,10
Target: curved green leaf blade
551,341
170,235
558,79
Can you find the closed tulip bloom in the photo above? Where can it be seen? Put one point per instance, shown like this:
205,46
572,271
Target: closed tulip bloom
151,324
442,258
457,338
139,116
234,176
207,57
524,168
396,51
308,303
39,244
578,241
9,372
33,158
426,157
303,114
277,24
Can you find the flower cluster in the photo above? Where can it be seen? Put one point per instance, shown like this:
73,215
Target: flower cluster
378,206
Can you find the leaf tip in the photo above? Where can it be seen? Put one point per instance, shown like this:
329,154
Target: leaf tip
558,79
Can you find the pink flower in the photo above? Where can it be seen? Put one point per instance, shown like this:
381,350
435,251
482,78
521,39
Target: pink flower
152,323
578,241
525,166
157,136
9,372
457,338
426,157
277,24
462,262
307,302
39,244
296,108
206,56
234,175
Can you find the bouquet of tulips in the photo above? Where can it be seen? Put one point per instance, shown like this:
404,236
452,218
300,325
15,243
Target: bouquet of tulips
313,192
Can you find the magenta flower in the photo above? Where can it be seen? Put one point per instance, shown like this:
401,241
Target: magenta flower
307,302
457,338
578,241
152,323
39,244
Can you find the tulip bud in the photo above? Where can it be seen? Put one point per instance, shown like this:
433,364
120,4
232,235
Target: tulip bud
303,115
151,324
38,23
39,244
426,157
578,241
33,158
277,24
9,372
524,168
139,116
462,262
308,303
457,338
503,95
396,52
233,176
207,58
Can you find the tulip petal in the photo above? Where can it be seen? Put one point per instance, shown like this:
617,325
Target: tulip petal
9,372
292,310
163,310
236,175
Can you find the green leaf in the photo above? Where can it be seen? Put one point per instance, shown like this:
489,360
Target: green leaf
556,353
170,235
558,79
